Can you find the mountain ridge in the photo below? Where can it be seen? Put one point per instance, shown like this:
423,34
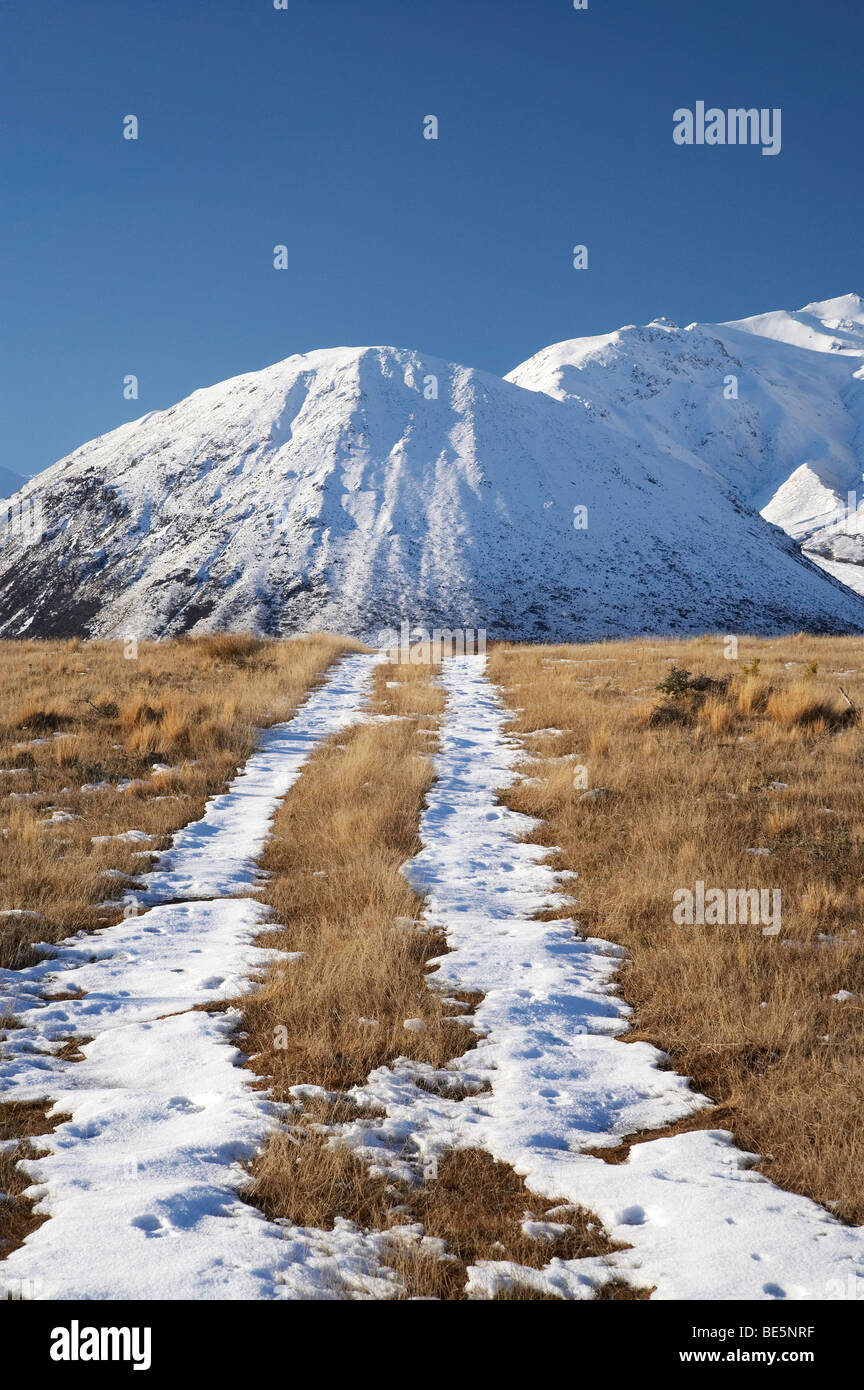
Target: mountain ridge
355,488
792,440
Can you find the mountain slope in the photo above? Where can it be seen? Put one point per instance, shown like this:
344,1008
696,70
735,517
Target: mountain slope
330,491
791,441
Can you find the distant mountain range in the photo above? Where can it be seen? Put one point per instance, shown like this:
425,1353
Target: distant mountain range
608,486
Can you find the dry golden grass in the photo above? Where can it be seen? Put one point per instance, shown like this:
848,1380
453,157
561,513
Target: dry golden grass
798,703
300,1177
772,761
339,841
76,715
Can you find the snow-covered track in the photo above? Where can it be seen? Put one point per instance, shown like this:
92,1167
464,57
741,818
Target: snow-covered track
559,1077
141,1184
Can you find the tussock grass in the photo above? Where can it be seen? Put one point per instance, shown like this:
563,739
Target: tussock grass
79,715
799,704
302,1178
238,647
698,778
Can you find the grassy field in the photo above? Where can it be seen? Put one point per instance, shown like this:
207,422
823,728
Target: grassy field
765,756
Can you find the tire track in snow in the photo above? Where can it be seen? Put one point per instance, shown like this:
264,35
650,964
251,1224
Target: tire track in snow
701,1223
141,1184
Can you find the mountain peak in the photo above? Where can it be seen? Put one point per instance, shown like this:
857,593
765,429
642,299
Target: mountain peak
843,306
826,325
352,488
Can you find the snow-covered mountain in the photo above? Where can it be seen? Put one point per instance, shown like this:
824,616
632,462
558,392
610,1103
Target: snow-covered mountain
774,404
353,488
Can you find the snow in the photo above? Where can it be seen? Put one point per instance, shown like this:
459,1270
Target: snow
141,1184
159,770
128,837
330,491
846,571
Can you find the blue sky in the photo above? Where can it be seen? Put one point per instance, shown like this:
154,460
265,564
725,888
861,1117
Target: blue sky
304,127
